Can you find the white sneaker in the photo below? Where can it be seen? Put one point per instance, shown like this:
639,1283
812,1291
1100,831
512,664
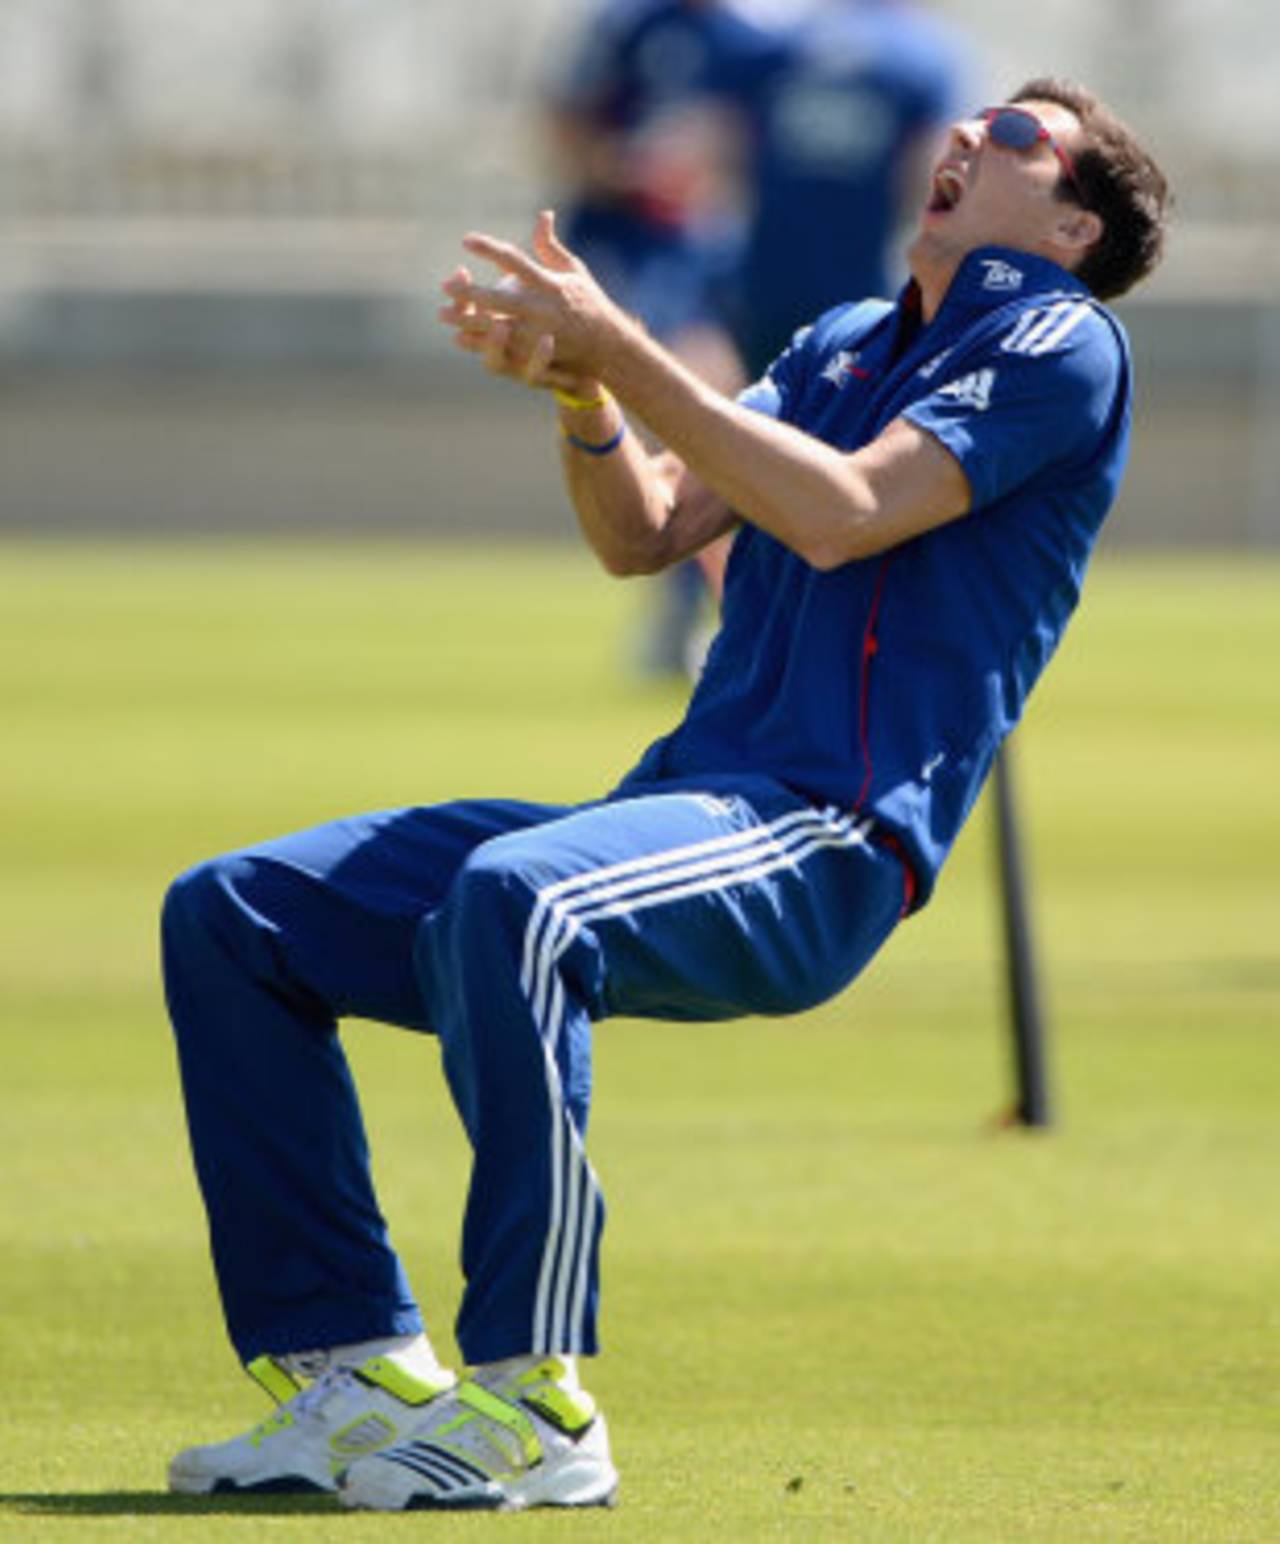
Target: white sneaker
315,1432
534,1439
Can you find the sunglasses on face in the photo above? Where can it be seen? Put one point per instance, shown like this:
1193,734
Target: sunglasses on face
1016,128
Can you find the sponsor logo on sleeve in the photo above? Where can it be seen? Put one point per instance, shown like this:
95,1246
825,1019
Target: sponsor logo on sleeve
844,367
971,390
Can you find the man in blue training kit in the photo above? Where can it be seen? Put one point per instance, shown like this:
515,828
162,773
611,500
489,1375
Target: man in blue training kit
916,487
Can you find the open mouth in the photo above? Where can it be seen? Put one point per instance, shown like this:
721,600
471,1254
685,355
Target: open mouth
946,192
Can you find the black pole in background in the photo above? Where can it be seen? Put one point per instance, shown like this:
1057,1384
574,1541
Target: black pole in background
1030,1065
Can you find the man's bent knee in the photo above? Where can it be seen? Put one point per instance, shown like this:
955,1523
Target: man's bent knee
192,898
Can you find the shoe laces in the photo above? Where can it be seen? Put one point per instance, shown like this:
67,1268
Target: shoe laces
307,1364
307,1405
312,1400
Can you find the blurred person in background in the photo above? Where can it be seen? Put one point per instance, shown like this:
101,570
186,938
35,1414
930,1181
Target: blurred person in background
644,125
916,486
844,116
646,128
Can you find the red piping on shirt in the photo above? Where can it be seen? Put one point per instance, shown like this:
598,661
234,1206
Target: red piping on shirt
870,644
870,647
890,843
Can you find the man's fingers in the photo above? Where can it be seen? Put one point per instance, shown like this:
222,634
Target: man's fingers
547,244
457,306
509,324
477,327
495,348
497,300
471,338
501,353
456,312
505,255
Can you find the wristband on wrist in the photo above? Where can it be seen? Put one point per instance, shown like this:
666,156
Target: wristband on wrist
603,449
567,399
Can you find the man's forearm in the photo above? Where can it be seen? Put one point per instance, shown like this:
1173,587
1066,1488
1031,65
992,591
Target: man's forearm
551,324
795,487
622,504
562,324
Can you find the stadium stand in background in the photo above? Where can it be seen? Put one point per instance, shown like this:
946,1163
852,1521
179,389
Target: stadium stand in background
243,185
331,143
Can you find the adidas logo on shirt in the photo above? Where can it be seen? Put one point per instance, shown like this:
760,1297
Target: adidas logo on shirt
1041,329
971,390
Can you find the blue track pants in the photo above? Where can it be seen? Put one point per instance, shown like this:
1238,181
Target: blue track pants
506,929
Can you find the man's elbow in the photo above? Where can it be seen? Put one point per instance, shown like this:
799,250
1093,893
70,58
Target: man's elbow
824,554
829,549
619,566
632,562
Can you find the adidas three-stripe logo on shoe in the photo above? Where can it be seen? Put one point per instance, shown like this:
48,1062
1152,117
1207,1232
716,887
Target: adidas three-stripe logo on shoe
530,1439
315,1431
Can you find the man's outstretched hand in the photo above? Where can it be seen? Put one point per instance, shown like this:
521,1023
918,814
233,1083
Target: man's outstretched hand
546,322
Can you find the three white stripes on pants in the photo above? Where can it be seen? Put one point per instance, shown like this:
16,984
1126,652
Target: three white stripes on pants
560,910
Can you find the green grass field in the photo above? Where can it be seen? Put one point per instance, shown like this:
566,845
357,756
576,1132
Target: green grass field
837,1304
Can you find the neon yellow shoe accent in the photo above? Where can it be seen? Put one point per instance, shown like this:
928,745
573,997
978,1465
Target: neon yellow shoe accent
550,1370
491,1407
343,1417
572,1413
366,1434
405,1386
278,1421
276,1380
541,1391
491,1447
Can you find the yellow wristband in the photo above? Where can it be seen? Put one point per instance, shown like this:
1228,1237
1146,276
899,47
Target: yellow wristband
567,399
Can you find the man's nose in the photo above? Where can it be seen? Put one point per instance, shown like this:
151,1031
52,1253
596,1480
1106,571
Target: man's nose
967,134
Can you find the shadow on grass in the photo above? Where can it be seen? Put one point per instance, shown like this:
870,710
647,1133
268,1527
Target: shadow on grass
151,1503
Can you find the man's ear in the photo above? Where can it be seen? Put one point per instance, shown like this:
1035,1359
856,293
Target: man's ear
1078,228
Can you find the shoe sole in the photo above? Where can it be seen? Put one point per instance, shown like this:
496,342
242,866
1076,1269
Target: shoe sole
278,1485
422,1503
594,1486
284,1485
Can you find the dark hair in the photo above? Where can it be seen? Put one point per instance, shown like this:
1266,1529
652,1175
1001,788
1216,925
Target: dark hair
1119,181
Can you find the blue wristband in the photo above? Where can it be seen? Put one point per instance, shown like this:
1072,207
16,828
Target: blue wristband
596,450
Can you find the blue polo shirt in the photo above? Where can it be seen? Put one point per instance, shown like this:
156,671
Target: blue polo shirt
886,685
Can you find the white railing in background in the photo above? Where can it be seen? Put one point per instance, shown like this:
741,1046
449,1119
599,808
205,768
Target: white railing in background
421,110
